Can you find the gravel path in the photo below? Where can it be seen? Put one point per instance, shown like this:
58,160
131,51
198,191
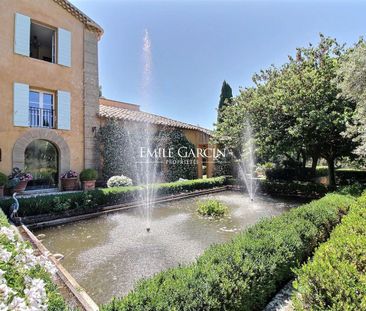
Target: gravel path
282,300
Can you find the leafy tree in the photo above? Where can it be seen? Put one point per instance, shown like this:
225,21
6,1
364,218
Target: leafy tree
352,81
295,110
225,99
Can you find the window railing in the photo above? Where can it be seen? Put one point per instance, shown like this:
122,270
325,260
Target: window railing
39,117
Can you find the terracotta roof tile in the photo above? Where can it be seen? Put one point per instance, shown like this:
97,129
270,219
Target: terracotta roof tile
86,20
140,116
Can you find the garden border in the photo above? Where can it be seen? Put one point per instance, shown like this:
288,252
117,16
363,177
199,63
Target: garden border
82,297
49,220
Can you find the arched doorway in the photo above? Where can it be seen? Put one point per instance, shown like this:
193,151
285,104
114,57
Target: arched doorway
41,159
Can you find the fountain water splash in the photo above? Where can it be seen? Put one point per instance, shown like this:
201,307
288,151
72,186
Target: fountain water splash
146,169
147,66
247,161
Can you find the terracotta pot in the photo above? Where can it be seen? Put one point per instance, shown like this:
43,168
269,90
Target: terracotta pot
69,184
1,192
88,185
19,188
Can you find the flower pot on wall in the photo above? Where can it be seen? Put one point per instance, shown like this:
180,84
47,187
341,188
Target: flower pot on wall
69,184
19,188
88,185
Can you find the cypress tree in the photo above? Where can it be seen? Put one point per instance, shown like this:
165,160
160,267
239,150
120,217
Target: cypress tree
225,99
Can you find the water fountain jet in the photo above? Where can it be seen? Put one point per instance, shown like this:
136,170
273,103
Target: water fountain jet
247,161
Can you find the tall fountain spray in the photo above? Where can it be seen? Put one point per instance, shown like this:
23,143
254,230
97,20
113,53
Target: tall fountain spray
147,168
247,161
147,66
142,137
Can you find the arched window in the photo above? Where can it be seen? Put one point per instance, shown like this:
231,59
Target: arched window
41,160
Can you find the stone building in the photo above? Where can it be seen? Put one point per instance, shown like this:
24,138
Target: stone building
50,109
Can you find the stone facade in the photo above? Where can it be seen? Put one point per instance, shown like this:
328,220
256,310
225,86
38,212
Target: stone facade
50,135
76,146
91,99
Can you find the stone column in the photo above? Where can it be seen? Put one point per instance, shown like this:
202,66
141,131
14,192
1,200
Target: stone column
91,100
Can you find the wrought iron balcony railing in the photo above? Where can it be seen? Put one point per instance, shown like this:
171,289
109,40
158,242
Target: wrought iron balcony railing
39,117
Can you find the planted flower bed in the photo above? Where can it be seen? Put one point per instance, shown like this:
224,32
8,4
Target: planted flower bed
335,279
25,279
245,273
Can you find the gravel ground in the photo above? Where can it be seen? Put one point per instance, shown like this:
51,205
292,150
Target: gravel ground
282,301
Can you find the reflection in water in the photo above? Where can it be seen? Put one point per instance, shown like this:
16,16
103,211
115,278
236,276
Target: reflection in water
108,254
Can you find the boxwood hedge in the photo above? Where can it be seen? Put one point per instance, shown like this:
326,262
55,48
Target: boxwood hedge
246,272
295,188
90,200
335,279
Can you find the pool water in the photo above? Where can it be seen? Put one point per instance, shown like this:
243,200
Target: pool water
108,254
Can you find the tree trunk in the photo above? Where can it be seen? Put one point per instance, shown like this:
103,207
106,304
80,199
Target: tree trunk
331,172
303,155
314,163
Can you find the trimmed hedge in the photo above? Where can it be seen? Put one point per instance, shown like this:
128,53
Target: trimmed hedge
102,197
349,176
343,176
246,272
290,174
335,279
305,189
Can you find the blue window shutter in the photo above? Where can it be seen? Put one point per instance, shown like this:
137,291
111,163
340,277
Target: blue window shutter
22,34
63,110
64,47
21,104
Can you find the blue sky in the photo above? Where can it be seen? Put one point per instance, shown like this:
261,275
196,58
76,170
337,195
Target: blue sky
198,44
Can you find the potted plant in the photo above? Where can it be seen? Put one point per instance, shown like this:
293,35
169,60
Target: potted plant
88,178
18,181
3,182
69,181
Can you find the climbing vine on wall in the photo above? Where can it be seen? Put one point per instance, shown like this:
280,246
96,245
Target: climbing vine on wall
120,146
177,166
116,150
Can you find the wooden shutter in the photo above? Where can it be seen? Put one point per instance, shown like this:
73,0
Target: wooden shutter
22,34
64,47
63,110
21,104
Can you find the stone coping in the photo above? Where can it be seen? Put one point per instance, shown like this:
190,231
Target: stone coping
83,299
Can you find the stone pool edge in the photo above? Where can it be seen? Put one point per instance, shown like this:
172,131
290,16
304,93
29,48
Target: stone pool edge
80,295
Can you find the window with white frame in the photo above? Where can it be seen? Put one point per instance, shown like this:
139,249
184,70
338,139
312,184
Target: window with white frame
41,109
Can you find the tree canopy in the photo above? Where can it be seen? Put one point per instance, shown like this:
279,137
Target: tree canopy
296,110
352,81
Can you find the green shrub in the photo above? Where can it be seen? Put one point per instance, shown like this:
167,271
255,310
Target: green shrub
349,176
88,174
244,273
211,208
3,179
119,181
290,174
307,189
343,176
335,279
102,197
355,189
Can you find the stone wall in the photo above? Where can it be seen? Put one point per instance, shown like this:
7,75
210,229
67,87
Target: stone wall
91,99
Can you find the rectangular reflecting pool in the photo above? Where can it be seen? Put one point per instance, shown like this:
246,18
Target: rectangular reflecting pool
108,254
